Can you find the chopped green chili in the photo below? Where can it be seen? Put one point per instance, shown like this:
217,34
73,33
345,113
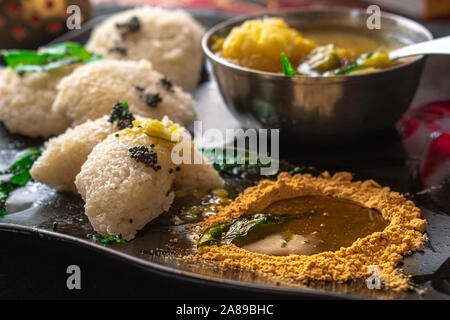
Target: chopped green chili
108,241
287,66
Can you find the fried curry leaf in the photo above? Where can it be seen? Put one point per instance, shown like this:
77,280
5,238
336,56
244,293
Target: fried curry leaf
213,235
241,227
238,229
287,66
20,174
47,58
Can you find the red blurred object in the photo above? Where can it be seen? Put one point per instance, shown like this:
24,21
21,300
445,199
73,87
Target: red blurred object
434,116
28,24
436,159
54,27
407,127
13,9
35,19
426,132
19,32
49,4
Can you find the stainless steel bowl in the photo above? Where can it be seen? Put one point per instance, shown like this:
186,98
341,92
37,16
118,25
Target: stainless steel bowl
321,109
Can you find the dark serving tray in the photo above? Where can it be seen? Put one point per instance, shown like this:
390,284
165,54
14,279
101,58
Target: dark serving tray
35,209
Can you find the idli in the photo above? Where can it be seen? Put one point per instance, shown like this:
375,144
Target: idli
26,102
126,182
64,155
169,39
28,87
128,178
90,91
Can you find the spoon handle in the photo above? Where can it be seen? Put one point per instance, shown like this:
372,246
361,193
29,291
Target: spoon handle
436,46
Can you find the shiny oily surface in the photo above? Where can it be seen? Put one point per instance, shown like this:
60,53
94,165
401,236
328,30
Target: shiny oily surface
332,224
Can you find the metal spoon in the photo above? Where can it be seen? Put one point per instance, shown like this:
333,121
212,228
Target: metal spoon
436,46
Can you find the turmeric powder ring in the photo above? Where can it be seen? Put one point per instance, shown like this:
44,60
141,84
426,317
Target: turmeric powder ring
304,232
325,228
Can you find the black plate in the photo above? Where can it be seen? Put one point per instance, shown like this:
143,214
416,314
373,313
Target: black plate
36,208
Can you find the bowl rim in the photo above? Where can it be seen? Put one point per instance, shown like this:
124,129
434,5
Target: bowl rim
279,76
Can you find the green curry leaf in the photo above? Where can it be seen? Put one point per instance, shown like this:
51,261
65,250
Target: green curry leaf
20,174
47,58
241,227
224,162
237,230
213,235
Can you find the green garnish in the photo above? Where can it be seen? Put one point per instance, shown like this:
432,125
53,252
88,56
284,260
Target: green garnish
213,235
121,115
305,169
20,174
287,66
108,241
353,67
240,229
350,69
222,162
47,58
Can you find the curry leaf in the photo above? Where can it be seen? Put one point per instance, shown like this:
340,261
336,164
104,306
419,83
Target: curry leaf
241,227
213,235
20,174
223,161
47,58
238,229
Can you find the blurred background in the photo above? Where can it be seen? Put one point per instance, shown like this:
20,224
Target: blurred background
30,23
413,8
